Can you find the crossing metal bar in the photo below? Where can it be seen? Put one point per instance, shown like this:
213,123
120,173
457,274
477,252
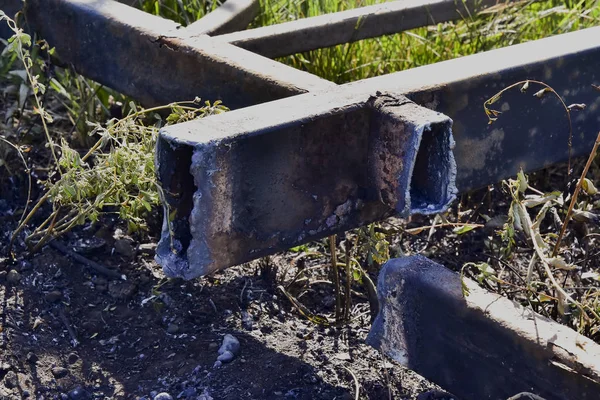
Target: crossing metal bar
350,26
147,58
233,15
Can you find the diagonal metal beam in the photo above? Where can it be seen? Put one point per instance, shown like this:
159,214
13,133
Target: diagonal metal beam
350,26
233,15
272,146
146,57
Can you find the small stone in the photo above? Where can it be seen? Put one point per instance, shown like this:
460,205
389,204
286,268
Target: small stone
213,346
121,290
231,344
3,275
172,329
10,380
147,248
60,372
205,396
100,284
53,296
125,247
343,356
26,394
13,277
72,359
189,393
79,393
163,396
100,281
101,288
226,357
24,266
217,364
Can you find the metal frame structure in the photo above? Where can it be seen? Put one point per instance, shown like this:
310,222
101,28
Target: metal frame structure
300,158
282,114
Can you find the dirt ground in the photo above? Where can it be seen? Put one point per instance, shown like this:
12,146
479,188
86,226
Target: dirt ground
67,332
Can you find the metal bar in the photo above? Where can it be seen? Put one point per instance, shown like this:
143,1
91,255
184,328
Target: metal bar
479,346
233,15
146,57
350,26
531,134
233,198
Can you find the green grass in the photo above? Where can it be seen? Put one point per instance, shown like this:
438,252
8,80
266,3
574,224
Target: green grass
182,11
503,26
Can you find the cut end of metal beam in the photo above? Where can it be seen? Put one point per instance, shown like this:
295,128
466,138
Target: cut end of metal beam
413,146
479,345
251,187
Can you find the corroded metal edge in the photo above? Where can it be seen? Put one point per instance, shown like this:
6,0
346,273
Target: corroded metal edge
483,346
258,192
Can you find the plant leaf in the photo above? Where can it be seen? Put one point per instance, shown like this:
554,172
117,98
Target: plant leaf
588,186
459,230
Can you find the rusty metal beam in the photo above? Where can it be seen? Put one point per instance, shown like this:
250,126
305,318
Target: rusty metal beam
147,58
350,26
233,15
239,187
482,346
271,147
530,133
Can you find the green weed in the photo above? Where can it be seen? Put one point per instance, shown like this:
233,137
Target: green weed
500,26
116,173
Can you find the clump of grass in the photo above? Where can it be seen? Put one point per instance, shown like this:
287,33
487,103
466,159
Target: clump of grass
116,173
555,292
83,102
182,11
501,26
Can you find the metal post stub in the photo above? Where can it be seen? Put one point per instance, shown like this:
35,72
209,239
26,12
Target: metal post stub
482,346
248,183
412,162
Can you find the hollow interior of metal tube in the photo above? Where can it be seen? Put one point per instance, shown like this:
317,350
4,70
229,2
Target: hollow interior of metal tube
432,186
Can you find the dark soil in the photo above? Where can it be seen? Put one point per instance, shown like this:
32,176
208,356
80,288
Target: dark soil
69,332
66,332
